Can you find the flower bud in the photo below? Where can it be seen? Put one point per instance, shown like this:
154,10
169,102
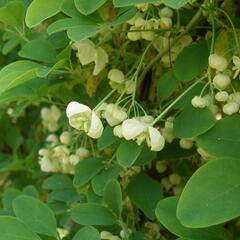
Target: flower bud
116,75
105,235
155,140
161,166
235,97
82,152
134,36
221,81
230,108
186,143
217,62
74,159
175,179
117,131
221,96
165,12
165,23
65,138
140,22
52,138
199,102
114,238
114,114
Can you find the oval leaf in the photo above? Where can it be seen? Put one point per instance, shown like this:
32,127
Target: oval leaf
87,233
87,7
212,194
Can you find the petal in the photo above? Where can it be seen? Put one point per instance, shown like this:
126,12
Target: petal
96,127
100,59
74,108
131,128
236,60
157,141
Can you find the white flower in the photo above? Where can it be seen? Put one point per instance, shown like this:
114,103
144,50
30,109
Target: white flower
132,128
147,35
65,138
84,119
165,23
82,152
116,75
221,81
221,96
236,68
155,140
52,138
114,114
166,12
235,97
217,62
47,166
87,52
133,36
74,159
117,131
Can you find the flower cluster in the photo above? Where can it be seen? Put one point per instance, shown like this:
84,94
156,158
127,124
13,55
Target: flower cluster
144,28
228,100
50,117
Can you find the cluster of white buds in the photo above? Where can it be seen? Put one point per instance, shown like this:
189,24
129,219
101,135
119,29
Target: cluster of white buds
57,157
144,28
139,129
167,131
152,230
173,182
50,117
82,118
87,53
117,77
105,235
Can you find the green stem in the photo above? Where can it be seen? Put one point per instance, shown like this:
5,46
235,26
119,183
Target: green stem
165,111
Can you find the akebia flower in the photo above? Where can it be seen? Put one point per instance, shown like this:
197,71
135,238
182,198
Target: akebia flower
87,53
217,62
221,81
155,140
82,118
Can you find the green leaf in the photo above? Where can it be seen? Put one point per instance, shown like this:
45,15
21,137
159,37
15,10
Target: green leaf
193,122
100,181
12,14
87,233
57,182
86,170
145,192
113,197
40,50
166,214
175,4
14,138
40,10
17,73
123,15
125,3
212,194
92,214
41,219
166,86
87,7
191,61
145,156
125,157
107,138
223,140
13,229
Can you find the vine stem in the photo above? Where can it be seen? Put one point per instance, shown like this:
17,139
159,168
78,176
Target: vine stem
176,100
160,54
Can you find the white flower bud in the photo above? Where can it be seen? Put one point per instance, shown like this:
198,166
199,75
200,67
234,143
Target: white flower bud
165,12
168,134
217,62
165,23
47,166
175,179
43,152
55,113
82,152
199,102
134,36
186,143
116,75
166,183
130,86
235,97
142,6
52,126
100,59
117,131
45,113
230,108
177,190
96,127
140,22
221,81
221,96
65,138
52,138
105,235
114,238
169,122
204,154
74,159
155,140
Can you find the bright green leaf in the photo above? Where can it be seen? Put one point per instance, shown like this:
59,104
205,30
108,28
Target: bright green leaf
40,10
125,3
193,122
212,194
175,4
35,214
87,233
87,7
92,214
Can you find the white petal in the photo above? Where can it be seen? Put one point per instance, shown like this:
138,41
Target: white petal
74,108
236,61
131,128
100,59
96,127
157,141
